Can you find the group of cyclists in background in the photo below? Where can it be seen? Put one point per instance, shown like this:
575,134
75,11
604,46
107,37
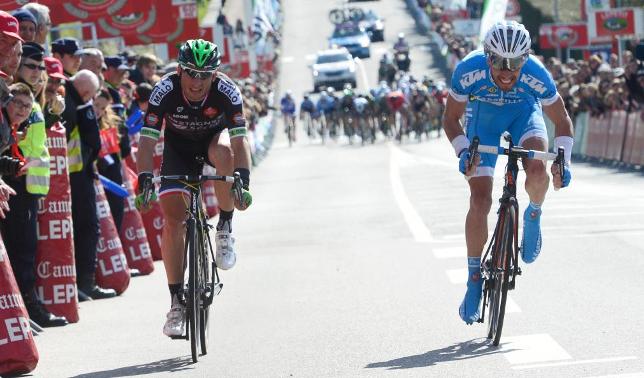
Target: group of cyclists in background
406,108
400,107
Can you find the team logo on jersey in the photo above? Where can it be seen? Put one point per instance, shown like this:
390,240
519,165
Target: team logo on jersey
161,89
472,77
210,112
533,83
231,91
180,109
492,90
90,113
152,119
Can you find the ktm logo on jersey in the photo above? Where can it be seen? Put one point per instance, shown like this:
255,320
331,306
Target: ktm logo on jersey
472,77
533,83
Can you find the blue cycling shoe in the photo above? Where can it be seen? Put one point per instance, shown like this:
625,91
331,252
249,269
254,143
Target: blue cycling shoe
531,244
470,307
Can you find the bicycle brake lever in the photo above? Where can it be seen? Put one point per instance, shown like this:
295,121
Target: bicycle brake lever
560,163
474,147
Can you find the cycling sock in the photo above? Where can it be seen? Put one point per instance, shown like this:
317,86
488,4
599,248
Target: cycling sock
225,220
175,290
535,206
473,268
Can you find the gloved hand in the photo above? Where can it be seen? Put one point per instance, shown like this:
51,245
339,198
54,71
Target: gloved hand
556,177
464,158
145,191
242,197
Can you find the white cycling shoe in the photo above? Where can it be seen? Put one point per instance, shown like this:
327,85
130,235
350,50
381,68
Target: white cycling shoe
225,256
175,324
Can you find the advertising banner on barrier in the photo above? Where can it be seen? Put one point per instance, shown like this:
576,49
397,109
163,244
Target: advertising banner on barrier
616,22
552,36
133,236
18,353
112,271
55,264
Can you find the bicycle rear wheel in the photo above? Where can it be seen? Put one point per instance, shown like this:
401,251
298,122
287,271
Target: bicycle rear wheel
498,293
192,298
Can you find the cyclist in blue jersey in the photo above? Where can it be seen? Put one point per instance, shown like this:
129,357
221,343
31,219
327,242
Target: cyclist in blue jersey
287,106
308,115
503,88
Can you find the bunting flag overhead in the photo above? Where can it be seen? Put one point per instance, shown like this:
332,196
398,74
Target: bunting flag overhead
493,12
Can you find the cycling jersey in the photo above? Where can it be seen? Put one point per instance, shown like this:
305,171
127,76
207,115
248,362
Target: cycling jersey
287,106
326,105
395,100
307,106
220,109
190,127
360,104
490,111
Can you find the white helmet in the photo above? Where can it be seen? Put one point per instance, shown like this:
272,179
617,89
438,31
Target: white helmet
507,39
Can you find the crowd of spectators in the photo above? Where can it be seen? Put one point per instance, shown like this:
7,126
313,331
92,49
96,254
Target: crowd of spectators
594,85
92,95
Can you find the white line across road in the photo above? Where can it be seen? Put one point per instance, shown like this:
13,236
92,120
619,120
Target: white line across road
581,362
414,221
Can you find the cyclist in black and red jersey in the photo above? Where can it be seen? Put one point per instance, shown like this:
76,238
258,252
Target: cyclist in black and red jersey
197,103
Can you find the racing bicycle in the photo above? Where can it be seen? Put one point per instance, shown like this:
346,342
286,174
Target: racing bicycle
500,263
203,282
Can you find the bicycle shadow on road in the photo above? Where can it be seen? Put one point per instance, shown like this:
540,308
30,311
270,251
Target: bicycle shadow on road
172,365
461,351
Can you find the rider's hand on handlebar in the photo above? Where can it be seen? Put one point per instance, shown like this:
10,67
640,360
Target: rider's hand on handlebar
464,162
145,192
556,176
239,190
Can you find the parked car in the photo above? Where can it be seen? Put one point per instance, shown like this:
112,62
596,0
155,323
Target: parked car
353,37
333,68
374,25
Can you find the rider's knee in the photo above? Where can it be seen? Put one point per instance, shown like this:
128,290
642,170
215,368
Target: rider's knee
222,155
480,203
536,172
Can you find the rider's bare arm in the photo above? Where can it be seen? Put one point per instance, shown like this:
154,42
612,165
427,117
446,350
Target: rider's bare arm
454,111
559,116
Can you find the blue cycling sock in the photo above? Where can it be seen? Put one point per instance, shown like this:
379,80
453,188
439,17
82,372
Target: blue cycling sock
535,206
473,266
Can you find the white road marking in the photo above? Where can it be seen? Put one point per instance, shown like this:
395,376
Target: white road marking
457,276
511,306
532,348
287,59
450,253
363,73
414,221
310,57
581,362
627,375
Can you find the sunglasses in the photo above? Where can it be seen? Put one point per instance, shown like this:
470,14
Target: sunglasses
201,75
22,105
506,64
32,66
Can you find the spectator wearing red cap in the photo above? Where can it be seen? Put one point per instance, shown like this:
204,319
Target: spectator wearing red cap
8,35
12,62
43,26
54,100
27,24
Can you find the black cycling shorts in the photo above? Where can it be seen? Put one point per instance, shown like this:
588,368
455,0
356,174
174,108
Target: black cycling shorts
180,157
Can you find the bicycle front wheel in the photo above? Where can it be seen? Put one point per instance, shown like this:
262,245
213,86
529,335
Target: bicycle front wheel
500,274
205,279
192,297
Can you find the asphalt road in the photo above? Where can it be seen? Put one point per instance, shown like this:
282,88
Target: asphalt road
351,262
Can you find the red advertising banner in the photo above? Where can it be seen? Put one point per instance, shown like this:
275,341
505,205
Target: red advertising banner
552,36
615,22
90,10
163,21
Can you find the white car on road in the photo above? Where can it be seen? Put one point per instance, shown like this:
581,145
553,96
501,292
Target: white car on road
333,68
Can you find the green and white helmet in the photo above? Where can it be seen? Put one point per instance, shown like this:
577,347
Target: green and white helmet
200,55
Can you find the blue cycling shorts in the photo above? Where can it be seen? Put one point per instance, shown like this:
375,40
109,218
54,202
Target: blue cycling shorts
487,121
